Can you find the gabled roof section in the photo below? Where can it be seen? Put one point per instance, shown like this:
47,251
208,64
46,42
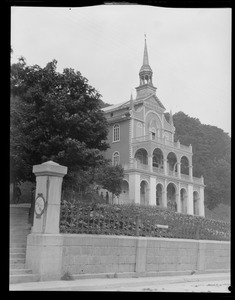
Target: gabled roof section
116,106
155,101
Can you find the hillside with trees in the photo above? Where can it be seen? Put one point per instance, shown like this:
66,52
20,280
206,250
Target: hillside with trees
211,156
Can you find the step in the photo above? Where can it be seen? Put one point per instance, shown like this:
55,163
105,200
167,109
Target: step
17,255
14,261
17,266
20,271
18,237
14,229
24,278
22,241
21,233
19,215
18,245
17,250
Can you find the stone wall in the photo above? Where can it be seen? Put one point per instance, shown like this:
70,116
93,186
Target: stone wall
98,254
121,255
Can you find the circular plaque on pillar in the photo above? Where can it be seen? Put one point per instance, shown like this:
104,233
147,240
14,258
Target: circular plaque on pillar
40,204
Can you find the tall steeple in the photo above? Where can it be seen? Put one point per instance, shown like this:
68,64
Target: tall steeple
145,66
145,87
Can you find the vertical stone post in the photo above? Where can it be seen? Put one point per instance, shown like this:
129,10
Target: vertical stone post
179,169
45,243
165,166
141,253
152,191
191,172
49,177
190,200
134,187
164,194
201,203
150,163
178,200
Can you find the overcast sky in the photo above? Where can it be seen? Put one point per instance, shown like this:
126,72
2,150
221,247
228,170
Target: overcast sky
189,52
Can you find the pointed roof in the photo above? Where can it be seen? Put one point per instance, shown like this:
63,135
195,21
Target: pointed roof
146,58
145,66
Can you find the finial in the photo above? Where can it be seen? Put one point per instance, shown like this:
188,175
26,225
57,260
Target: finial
131,102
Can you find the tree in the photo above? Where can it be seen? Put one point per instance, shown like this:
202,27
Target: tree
211,156
110,178
54,116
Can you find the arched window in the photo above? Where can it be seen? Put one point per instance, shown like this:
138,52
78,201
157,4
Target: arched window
116,133
116,158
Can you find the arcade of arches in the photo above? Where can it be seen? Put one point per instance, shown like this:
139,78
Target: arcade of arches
173,166
174,201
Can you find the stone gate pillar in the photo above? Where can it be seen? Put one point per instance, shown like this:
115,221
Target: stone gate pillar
49,177
45,243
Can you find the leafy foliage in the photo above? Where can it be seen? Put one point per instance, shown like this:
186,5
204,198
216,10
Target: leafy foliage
211,156
96,218
54,116
110,178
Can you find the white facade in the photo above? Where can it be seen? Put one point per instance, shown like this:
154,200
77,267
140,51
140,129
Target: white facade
158,170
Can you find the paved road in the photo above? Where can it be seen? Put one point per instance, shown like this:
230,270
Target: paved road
188,283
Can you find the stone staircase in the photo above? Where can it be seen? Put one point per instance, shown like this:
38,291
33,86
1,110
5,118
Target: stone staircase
19,229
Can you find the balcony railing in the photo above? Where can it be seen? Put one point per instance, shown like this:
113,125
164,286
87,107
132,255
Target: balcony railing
185,176
171,173
142,166
146,138
158,170
198,180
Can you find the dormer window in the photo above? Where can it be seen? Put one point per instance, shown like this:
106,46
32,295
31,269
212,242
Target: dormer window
116,133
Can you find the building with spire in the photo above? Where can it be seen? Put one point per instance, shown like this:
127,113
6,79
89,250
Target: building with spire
158,170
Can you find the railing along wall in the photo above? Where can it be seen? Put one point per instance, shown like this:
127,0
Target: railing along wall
91,218
161,141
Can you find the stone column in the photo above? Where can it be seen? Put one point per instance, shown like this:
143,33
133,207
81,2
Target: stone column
191,172
164,194
201,205
190,200
152,191
150,163
45,243
134,188
49,177
165,166
177,200
179,209
179,169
